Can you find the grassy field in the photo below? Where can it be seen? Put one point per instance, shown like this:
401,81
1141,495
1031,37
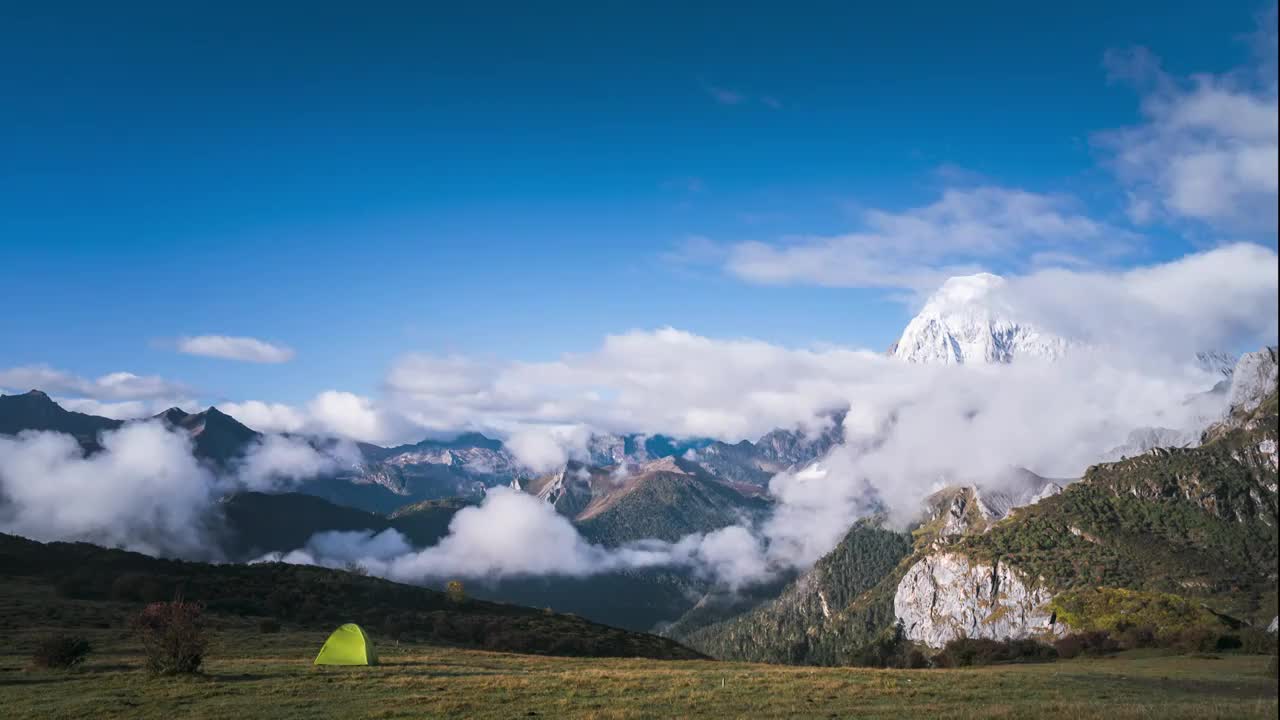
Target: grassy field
250,675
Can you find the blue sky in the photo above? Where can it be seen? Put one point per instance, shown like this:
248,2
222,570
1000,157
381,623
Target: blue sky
513,184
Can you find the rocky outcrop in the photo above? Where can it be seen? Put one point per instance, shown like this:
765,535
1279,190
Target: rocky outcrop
946,596
958,511
1253,380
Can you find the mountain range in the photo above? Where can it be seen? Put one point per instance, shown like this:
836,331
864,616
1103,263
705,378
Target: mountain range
1191,515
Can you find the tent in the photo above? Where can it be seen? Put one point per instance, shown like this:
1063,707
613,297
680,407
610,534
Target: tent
348,645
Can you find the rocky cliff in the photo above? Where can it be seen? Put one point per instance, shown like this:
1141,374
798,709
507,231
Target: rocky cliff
947,595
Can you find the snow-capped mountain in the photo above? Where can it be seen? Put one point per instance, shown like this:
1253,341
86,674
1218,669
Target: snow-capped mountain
965,321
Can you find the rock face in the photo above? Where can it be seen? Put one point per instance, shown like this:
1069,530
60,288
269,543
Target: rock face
1218,362
966,322
961,510
1253,380
1147,438
946,596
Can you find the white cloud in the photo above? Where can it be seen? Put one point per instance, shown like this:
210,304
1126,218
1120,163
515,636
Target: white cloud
117,386
512,534
276,462
1223,298
245,349
546,448
920,247
330,413
145,491
267,417
353,416
1207,150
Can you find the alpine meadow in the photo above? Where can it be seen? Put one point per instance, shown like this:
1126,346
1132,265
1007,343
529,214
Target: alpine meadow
665,360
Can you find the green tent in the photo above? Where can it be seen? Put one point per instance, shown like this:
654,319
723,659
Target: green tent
348,645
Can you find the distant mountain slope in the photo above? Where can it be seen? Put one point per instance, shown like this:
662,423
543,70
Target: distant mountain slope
314,598
215,435
1199,522
824,616
254,524
665,499
37,411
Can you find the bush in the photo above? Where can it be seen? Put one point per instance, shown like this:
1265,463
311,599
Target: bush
138,587
1140,636
268,626
1191,640
1257,641
1138,619
60,652
963,652
1093,644
172,636
917,660
456,592
1228,642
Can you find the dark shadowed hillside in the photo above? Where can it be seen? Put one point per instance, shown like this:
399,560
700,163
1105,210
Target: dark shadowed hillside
311,597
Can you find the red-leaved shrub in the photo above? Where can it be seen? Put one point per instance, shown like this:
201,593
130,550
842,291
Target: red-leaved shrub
172,636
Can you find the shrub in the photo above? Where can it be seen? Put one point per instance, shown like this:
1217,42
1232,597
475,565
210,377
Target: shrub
138,587
1135,618
1140,636
1257,641
268,626
1093,643
456,592
1191,640
60,652
963,652
79,585
1228,642
889,649
917,660
172,636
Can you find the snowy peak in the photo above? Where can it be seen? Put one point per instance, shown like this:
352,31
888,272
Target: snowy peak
967,321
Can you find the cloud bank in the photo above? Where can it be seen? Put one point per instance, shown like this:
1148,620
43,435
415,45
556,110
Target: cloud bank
145,490
1153,319
512,534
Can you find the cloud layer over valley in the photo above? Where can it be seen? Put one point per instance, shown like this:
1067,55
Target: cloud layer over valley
145,490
